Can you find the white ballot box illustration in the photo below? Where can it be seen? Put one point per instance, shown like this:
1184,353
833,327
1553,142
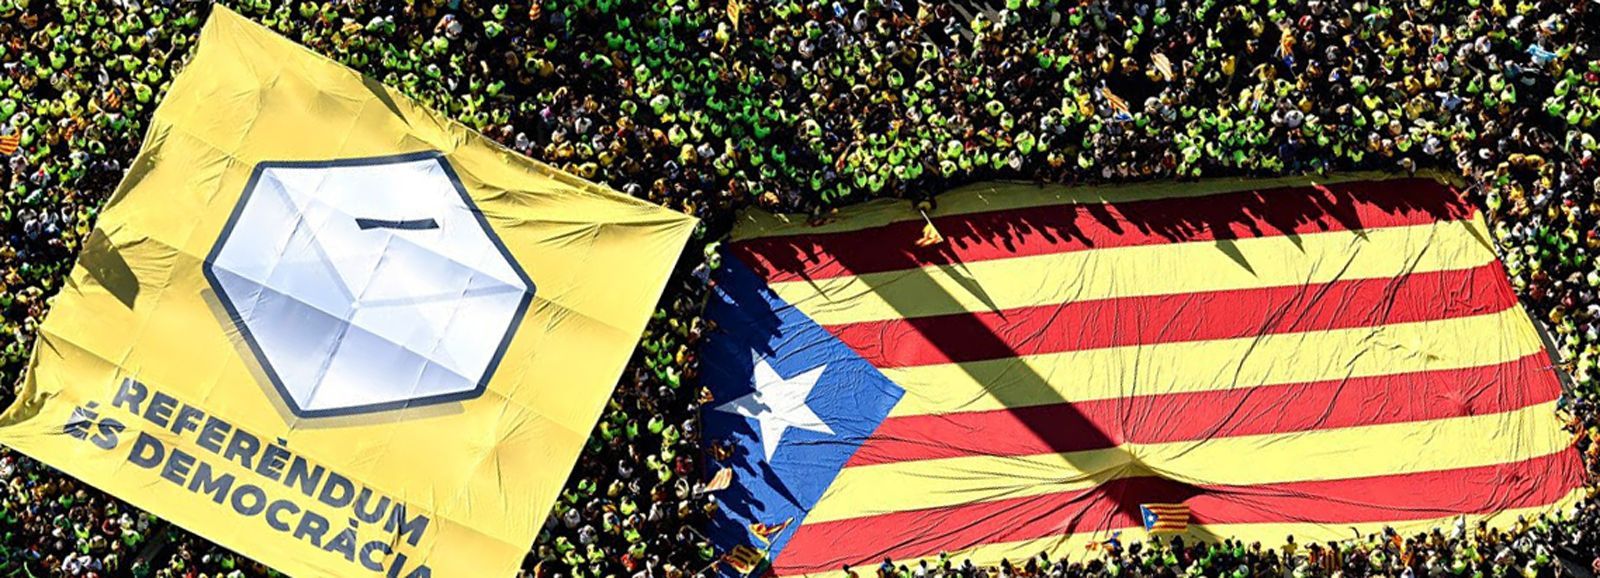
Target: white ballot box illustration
366,285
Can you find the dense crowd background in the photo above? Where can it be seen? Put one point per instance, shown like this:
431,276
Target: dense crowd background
707,106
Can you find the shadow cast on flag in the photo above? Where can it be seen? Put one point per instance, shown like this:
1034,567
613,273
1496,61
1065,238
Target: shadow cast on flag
794,401
1273,356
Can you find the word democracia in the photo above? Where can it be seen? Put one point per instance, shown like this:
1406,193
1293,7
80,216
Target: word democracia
272,464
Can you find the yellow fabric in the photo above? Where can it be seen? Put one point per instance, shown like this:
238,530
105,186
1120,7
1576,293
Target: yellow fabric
1275,261
993,505
1332,454
138,311
1221,364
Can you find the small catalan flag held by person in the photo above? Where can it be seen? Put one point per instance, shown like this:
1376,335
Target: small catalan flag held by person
765,532
720,481
9,144
1164,517
1118,106
1163,65
1112,544
744,559
930,234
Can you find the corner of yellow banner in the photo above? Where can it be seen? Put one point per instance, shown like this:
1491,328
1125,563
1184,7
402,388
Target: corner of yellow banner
329,329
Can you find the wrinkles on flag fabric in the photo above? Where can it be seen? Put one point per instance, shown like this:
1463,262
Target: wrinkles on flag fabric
1330,453
1150,270
1279,357
1074,546
1223,511
1199,366
781,468
1198,316
143,364
1346,402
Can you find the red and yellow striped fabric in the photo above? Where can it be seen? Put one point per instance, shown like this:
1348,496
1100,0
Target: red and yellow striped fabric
1280,358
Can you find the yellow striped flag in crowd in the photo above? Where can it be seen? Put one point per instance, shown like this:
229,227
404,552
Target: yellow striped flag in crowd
1163,65
765,532
1117,104
721,481
743,559
1272,357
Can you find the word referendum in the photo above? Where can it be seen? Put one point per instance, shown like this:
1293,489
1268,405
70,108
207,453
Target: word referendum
275,464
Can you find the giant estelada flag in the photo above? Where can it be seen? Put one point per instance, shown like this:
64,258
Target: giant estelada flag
1264,358
334,331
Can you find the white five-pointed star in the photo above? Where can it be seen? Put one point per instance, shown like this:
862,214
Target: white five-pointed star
778,404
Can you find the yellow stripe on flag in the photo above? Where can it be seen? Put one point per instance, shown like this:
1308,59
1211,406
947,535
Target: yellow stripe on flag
1165,269
1245,460
881,489
1196,366
1168,508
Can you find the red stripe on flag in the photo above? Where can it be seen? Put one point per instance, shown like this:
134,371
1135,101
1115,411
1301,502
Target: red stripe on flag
1076,227
1198,316
1089,425
1115,505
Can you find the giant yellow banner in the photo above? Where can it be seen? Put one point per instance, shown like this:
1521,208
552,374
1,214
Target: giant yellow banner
335,332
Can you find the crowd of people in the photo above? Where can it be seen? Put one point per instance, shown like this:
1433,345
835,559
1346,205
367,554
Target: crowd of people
709,106
1541,547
